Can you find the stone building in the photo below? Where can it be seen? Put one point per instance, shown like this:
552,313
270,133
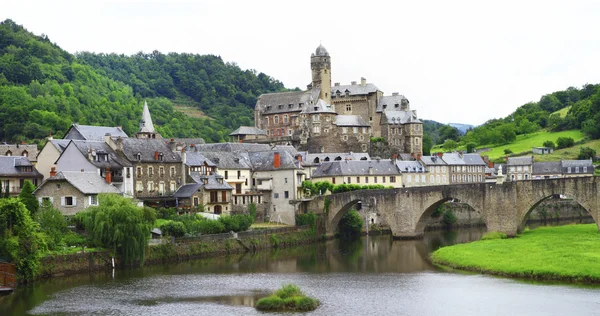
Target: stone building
465,168
414,174
361,172
317,119
519,168
437,168
577,168
14,171
71,192
23,150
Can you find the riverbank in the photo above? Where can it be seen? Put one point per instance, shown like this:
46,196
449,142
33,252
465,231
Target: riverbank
62,265
566,253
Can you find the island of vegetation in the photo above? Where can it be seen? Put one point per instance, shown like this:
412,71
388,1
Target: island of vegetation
566,253
288,298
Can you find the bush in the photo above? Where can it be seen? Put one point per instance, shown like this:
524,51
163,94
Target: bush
471,147
209,226
507,151
172,228
564,142
549,144
493,235
166,213
252,211
306,219
288,290
289,297
586,153
72,239
350,224
449,218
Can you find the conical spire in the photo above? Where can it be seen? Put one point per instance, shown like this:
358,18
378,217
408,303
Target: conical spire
146,125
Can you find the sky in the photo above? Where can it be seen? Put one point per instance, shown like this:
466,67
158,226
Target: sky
456,61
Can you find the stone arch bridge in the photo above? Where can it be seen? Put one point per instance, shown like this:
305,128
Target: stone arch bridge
503,207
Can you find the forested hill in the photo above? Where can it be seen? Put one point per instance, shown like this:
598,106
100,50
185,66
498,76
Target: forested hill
43,89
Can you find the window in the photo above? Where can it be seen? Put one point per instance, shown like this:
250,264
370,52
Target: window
285,179
355,130
139,171
443,168
290,131
68,201
150,171
370,119
453,178
275,195
139,186
432,179
374,179
392,179
93,200
139,157
569,170
383,179
366,179
161,171
344,130
285,119
286,194
196,201
349,180
160,157
226,174
348,107
479,178
172,186
316,129
315,117
276,119
357,179
267,121
584,169
150,186
417,141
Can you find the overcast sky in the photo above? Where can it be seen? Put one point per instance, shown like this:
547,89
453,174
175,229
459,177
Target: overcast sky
456,61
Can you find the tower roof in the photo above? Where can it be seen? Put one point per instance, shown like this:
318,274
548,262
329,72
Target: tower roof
321,51
146,125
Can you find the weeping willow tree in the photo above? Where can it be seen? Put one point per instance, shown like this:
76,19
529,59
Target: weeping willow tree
117,224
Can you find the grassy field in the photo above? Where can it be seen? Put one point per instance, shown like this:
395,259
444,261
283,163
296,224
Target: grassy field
569,253
569,153
562,112
524,143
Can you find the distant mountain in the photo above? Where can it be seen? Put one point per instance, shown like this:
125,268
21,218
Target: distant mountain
462,128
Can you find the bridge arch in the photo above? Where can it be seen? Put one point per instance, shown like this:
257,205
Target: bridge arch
525,215
429,210
335,220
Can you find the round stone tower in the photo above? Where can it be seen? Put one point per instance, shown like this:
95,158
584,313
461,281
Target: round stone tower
320,64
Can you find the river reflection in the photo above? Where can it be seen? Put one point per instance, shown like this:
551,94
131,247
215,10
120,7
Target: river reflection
371,275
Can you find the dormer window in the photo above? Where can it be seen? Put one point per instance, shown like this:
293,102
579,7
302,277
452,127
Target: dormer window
385,106
138,156
290,105
280,106
300,104
396,105
9,153
316,108
160,157
25,153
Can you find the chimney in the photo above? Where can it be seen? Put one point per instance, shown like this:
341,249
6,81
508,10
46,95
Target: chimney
52,171
395,93
506,158
299,158
490,164
120,143
276,160
353,83
156,155
173,145
363,81
440,154
50,137
108,175
107,138
337,84
418,157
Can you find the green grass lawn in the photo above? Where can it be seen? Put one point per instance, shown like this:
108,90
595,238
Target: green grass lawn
562,112
524,143
568,153
569,252
161,221
70,250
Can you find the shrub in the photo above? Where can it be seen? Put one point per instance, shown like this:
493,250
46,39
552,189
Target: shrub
439,211
209,226
586,153
564,142
550,144
288,290
289,297
252,210
471,147
236,223
449,218
507,151
350,224
166,213
172,228
72,239
493,235
306,219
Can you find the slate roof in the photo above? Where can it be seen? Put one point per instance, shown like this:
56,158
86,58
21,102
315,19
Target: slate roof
520,161
400,117
187,190
410,166
319,107
147,148
433,161
356,168
197,159
188,141
453,159
264,160
321,51
576,163
390,102
228,160
473,160
405,156
9,164
146,125
215,181
60,144
17,150
289,101
308,159
248,130
350,120
96,132
85,182
354,89
115,160
542,168
244,147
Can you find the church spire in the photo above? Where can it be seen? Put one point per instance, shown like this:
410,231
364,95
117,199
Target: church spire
146,126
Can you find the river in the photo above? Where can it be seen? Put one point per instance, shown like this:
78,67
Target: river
368,276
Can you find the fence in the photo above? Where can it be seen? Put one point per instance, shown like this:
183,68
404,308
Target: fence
245,234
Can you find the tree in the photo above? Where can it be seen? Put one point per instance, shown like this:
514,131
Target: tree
171,228
586,153
20,240
564,142
52,223
450,145
28,198
118,224
350,224
427,144
549,144
471,147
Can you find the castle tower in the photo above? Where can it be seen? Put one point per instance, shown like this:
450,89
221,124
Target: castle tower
146,126
320,64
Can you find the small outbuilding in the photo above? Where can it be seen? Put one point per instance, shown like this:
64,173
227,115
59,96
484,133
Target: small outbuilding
542,150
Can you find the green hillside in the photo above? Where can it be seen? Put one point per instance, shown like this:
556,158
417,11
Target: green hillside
43,89
524,143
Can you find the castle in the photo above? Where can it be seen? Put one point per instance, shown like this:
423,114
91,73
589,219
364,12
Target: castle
334,118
